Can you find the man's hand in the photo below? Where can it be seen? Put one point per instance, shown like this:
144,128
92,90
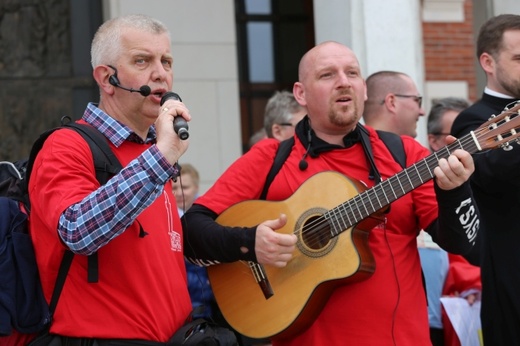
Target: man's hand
168,142
271,247
455,170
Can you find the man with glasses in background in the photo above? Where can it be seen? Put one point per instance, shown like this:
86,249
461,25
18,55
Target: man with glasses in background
393,103
282,113
441,117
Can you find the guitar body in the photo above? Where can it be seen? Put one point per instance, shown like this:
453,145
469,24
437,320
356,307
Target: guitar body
320,262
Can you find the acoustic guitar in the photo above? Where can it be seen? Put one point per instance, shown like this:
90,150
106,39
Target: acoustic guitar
332,216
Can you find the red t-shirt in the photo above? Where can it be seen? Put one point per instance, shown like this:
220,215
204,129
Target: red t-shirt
142,290
390,305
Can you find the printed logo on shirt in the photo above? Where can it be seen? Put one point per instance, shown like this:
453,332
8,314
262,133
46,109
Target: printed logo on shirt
175,241
175,237
380,226
468,219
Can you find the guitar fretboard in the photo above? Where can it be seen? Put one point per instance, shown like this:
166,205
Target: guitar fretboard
368,202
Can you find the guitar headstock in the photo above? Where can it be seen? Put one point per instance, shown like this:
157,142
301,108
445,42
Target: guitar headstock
500,130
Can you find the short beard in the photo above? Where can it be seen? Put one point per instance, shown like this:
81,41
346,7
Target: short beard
343,121
508,84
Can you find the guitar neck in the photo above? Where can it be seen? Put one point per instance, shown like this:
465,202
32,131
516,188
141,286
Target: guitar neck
381,195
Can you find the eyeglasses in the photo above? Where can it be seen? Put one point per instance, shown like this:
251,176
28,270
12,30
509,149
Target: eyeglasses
416,98
285,124
441,134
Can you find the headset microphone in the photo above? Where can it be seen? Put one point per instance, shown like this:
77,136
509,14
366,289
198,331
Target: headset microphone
180,125
303,164
143,90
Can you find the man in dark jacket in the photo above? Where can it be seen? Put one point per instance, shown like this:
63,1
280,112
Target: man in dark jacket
495,182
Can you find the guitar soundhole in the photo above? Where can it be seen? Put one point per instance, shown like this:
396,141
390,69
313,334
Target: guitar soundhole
314,234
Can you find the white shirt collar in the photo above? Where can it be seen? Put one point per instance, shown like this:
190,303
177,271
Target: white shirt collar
496,93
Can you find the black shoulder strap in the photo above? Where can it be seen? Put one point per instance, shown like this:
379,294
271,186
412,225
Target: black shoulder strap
284,149
60,280
106,165
395,145
373,173
105,162
392,141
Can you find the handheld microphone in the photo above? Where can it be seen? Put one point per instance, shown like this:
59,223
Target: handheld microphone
179,124
143,90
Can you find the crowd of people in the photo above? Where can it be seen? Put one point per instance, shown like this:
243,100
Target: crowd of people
154,234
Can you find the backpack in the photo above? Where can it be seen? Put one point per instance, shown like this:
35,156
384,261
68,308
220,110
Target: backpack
22,304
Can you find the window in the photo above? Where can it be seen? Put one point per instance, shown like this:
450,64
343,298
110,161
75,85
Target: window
272,36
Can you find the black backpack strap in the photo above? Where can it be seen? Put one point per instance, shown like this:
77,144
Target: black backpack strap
373,174
105,162
284,149
106,165
393,142
395,145
35,149
60,279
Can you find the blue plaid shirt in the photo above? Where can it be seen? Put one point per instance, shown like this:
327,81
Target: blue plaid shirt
107,212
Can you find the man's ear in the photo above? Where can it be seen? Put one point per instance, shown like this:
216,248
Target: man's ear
431,139
102,75
276,130
299,94
389,102
487,62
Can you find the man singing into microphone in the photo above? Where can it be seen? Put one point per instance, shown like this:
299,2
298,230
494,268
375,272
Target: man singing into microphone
131,221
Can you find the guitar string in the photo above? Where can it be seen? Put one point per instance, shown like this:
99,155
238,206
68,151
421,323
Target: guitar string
358,214
419,170
426,163
422,168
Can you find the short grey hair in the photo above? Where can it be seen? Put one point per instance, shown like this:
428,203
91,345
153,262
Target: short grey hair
106,45
441,106
279,109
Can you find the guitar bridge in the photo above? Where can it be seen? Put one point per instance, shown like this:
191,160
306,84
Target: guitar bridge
261,278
